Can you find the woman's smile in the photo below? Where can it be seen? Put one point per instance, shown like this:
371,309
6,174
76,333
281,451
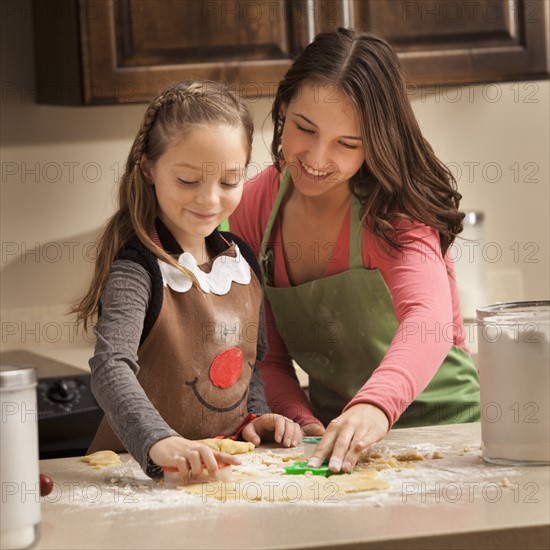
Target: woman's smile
318,175
321,140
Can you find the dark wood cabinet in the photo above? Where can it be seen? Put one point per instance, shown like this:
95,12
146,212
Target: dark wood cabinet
461,42
124,51
119,51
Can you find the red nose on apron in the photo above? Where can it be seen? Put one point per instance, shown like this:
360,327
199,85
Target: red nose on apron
226,368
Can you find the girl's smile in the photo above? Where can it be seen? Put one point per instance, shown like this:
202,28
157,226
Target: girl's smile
202,216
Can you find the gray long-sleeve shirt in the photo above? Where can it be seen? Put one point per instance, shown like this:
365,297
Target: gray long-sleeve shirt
132,416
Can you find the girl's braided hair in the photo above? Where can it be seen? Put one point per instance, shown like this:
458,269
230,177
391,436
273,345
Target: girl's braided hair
172,113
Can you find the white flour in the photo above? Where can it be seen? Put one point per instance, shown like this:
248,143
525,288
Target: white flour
460,476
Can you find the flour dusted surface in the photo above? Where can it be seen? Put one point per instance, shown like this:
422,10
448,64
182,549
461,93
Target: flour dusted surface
387,474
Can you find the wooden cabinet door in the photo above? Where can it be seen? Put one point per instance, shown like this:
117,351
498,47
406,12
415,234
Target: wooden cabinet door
121,51
130,49
460,41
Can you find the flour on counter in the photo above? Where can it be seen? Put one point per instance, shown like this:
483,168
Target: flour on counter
380,478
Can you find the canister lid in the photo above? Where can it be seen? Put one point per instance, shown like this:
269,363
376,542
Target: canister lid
12,376
473,218
533,311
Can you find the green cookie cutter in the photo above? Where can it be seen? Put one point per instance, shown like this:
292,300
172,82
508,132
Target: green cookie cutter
300,468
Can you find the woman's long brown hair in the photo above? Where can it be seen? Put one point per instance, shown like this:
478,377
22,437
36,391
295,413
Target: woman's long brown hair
173,112
401,177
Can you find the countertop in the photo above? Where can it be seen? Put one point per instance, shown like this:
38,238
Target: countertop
457,501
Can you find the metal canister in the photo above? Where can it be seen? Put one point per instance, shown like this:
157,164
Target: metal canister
467,253
20,481
514,369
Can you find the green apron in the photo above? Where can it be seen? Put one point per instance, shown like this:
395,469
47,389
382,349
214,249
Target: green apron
338,329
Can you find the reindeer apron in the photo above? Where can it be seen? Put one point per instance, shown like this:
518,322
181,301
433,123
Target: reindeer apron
197,361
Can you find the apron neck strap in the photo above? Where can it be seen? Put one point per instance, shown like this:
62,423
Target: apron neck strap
355,235
274,211
356,227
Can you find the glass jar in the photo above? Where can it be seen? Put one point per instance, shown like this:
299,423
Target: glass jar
20,503
514,366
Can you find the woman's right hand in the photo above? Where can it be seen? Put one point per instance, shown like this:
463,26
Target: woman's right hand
348,435
188,457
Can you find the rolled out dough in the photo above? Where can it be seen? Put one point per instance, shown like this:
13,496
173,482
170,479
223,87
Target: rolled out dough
228,446
101,459
261,477
268,485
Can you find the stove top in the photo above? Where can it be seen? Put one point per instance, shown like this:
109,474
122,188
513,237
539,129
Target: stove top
68,414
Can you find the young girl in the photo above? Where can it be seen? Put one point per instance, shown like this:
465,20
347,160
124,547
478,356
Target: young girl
178,301
352,225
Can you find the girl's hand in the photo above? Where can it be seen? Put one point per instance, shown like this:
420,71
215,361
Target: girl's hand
348,434
274,427
313,429
188,456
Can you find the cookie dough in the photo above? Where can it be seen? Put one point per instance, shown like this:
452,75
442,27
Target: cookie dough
270,485
228,446
410,456
262,477
100,459
381,462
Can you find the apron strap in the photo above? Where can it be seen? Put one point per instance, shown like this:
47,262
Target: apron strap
275,210
355,236
356,233
266,254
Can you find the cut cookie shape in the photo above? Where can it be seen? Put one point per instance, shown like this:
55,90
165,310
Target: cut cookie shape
228,445
100,459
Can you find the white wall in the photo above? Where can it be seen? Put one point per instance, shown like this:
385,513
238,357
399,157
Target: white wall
59,167
495,139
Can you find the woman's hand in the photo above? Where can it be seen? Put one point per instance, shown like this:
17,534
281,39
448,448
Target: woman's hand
188,456
348,434
273,427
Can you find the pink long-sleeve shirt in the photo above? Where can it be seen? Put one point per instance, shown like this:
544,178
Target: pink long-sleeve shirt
425,298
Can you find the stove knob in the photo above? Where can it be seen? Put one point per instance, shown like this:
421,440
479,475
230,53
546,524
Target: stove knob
60,392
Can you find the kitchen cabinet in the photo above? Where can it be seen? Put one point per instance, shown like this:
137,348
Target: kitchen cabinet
445,41
123,51
458,501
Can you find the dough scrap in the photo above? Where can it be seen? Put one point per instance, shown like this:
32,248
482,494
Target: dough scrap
100,459
408,456
228,445
380,462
